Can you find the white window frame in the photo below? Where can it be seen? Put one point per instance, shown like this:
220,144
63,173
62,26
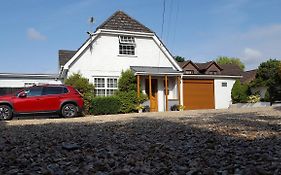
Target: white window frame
106,87
127,41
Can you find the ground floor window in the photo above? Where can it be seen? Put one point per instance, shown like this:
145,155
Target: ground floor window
105,86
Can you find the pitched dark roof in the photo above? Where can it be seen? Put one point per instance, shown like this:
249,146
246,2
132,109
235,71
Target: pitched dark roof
231,69
185,63
203,66
65,56
121,21
249,76
226,69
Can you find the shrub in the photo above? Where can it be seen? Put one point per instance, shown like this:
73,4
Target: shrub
127,81
266,97
88,99
240,92
80,83
253,98
105,105
86,88
129,101
127,92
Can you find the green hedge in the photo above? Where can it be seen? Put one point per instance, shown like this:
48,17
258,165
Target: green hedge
105,105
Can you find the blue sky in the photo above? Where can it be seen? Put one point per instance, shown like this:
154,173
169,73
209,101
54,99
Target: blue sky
32,31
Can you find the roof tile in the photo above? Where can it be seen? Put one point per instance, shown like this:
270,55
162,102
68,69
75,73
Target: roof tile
121,21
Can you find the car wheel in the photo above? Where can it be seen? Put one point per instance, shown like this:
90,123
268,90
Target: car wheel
6,112
69,110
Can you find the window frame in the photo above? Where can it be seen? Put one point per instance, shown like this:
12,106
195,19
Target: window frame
105,90
127,45
213,72
189,72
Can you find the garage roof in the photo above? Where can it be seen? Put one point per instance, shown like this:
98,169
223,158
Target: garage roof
146,70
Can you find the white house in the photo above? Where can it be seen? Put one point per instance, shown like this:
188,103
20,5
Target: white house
122,43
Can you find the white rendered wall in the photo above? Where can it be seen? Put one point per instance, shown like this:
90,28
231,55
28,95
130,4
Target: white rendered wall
20,82
223,94
103,59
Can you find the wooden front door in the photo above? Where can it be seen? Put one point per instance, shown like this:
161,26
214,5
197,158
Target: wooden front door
154,97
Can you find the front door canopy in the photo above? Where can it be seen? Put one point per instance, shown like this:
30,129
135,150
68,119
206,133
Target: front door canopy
156,71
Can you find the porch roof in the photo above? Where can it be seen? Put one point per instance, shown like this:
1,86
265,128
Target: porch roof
147,70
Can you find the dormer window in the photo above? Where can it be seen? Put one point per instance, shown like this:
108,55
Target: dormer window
189,71
213,72
127,45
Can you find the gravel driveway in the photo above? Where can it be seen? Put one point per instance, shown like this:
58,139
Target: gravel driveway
244,141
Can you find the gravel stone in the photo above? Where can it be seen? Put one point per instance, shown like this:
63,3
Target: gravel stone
234,141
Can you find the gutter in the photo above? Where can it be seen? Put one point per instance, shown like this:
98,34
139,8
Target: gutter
213,76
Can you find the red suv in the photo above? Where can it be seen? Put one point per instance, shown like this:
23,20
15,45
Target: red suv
61,99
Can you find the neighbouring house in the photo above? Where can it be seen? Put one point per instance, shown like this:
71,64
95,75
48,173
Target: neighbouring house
248,77
208,85
11,82
122,43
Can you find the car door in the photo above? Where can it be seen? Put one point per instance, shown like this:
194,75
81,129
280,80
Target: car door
31,102
51,98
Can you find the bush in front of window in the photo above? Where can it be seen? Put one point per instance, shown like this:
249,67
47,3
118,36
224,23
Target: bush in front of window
86,88
127,81
105,105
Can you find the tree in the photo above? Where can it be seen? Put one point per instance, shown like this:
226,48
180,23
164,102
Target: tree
84,87
230,60
268,75
179,58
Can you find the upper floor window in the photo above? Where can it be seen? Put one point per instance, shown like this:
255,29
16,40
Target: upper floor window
189,71
213,72
127,45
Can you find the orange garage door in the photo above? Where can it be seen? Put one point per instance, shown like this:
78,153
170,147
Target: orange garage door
198,94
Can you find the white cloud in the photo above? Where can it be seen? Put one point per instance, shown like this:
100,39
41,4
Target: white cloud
251,55
33,34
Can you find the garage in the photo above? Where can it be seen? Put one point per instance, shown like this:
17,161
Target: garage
198,94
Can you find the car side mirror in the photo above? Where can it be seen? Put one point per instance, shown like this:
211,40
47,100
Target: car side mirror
22,95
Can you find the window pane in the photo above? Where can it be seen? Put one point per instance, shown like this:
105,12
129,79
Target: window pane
99,82
100,92
36,91
110,92
112,82
52,90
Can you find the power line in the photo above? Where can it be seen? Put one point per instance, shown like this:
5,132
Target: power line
176,22
163,18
